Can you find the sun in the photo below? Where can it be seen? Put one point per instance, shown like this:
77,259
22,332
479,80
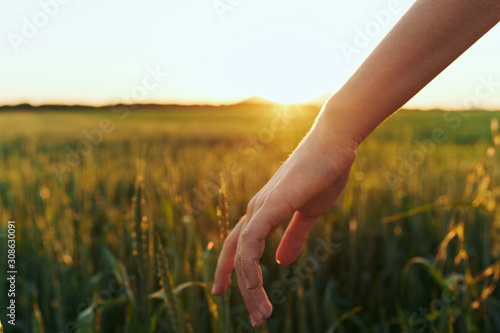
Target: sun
278,85
281,66
287,96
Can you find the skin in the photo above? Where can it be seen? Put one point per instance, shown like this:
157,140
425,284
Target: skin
429,37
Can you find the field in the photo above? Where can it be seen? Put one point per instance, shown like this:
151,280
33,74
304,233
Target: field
119,211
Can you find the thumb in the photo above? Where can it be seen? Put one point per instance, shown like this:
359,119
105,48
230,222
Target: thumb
294,238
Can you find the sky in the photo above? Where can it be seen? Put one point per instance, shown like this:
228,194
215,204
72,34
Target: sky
211,52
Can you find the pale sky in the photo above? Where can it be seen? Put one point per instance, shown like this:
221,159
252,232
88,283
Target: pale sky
215,51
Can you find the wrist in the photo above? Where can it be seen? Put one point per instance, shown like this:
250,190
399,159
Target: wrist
338,125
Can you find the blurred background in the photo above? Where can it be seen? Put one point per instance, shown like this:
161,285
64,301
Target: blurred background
133,134
215,51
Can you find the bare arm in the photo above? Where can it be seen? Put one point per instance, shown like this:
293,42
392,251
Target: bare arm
430,36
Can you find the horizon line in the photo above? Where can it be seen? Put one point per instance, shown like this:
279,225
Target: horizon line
243,102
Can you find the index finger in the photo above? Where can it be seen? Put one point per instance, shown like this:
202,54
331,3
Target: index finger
225,264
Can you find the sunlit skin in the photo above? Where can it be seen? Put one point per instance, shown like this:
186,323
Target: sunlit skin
430,36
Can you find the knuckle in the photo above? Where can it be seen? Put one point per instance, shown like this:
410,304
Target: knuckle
246,235
254,286
280,204
244,262
251,205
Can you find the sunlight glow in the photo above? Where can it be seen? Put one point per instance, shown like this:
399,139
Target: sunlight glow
289,52
284,66
287,96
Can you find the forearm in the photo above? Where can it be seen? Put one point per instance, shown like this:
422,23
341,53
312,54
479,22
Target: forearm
430,36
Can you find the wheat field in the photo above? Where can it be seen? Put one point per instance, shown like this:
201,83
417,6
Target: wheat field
121,213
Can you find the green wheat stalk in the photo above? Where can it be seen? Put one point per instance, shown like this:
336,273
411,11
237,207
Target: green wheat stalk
174,308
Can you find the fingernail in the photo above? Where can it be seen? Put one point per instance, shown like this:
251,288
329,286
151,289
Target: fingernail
279,262
213,290
252,321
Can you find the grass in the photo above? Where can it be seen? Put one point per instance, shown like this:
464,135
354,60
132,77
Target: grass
126,237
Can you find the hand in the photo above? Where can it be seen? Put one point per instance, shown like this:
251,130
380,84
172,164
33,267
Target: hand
305,186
